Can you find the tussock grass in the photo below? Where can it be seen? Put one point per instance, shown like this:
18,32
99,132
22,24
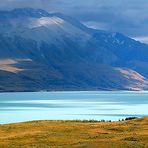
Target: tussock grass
78,134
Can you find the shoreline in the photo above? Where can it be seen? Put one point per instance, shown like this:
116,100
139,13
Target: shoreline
59,91
78,120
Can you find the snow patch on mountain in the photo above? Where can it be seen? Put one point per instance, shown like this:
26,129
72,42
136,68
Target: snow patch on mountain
45,21
50,29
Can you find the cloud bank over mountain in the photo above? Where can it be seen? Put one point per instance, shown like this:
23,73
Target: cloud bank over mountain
125,16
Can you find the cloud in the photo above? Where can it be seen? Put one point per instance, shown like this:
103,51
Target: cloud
95,25
143,39
125,16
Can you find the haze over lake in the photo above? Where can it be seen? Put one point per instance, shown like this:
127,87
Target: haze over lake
18,107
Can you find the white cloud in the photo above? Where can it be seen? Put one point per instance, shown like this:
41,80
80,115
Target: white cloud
96,25
143,39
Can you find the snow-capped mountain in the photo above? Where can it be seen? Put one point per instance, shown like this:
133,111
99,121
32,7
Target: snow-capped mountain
40,26
55,52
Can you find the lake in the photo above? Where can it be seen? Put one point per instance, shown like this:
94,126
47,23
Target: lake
18,107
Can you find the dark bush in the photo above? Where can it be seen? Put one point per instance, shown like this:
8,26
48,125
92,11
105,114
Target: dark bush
130,118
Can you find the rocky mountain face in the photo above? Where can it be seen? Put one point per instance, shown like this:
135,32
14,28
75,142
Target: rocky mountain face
42,51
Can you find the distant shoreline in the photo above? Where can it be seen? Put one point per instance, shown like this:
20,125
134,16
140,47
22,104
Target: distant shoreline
74,91
81,121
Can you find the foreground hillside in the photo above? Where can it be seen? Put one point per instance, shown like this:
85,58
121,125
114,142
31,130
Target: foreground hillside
54,134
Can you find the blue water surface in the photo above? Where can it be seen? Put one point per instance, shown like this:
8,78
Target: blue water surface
107,105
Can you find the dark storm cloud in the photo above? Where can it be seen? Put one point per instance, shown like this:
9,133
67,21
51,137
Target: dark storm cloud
126,16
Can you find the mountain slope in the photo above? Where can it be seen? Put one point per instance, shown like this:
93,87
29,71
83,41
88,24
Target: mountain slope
42,51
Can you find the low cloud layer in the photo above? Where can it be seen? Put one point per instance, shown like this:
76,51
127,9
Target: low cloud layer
125,16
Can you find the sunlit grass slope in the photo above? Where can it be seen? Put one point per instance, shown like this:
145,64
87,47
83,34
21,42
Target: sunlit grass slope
67,134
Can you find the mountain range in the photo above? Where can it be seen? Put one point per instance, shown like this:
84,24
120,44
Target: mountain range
40,51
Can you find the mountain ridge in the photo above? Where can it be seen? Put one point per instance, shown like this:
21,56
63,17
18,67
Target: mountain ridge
55,52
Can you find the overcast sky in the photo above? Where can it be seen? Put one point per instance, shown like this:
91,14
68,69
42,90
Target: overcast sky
126,16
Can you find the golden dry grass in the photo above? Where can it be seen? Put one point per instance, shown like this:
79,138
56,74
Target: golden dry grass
77,134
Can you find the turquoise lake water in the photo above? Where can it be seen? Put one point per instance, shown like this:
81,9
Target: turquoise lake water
18,107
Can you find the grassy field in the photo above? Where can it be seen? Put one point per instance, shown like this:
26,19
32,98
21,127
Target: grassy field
78,134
